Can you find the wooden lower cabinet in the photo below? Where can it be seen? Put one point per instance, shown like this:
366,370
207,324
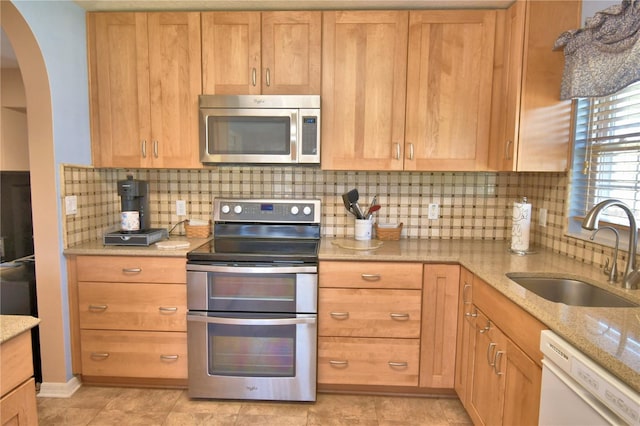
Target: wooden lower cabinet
18,390
499,370
19,407
362,361
129,319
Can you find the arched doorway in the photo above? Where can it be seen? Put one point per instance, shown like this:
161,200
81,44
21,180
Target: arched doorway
52,305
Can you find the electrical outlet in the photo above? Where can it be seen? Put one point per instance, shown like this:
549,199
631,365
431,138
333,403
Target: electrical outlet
71,205
542,217
434,211
181,208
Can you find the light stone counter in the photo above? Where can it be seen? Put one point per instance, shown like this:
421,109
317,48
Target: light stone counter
14,325
96,248
610,336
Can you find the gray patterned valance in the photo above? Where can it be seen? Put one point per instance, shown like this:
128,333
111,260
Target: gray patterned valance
604,56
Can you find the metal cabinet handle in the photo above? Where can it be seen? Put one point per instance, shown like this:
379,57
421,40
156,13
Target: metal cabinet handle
473,314
464,293
396,364
168,309
486,328
339,315
144,148
371,277
496,363
410,151
99,355
507,150
98,307
155,149
490,350
397,156
335,363
131,270
268,77
253,77
169,357
399,317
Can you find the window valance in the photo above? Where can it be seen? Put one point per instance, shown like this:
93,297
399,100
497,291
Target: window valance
604,56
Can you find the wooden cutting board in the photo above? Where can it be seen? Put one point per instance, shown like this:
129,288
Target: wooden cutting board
358,244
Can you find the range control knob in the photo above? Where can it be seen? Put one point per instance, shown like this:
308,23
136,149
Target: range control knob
306,210
237,209
295,210
225,209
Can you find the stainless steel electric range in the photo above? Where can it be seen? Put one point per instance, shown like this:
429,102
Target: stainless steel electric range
252,299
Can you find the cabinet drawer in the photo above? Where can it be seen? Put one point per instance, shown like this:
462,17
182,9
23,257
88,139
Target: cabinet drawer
370,275
15,361
352,361
117,306
19,407
132,269
145,354
369,313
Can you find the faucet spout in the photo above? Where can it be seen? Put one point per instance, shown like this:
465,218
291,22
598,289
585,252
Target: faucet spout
631,274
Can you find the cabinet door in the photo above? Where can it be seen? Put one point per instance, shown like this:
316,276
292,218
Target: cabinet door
439,326
19,407
119,88
231,53
465,337
522,388
291,52
363,89
487,393
175,83
450,68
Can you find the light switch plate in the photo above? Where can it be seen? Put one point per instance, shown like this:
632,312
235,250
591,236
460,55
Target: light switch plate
71,205
542,217
181,208
434,211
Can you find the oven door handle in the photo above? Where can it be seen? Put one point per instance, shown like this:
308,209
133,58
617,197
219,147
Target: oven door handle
252,269
311,319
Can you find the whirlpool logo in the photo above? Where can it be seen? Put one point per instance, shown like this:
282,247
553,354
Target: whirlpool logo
252,388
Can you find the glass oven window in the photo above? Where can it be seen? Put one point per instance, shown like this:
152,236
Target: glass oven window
252,292
252,351
249,135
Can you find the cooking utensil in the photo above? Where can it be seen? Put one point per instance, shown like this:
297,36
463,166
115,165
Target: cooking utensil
347,203
351,197
357,210
371,210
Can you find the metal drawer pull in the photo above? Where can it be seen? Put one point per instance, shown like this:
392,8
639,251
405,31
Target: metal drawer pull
496,363
253,77
339,315
155,149
411,151
98,307
397,154
268,79
99,355
507,150
486,327
399,317
169,357
471,314
131,270
490,349
144,148
338,363
403,364
371,277
464,293
167,309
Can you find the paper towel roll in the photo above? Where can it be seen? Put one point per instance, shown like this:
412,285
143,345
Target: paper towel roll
521,226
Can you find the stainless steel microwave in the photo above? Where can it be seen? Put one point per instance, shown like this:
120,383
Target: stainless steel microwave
260,129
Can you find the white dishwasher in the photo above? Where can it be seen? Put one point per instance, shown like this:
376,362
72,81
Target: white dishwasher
577,391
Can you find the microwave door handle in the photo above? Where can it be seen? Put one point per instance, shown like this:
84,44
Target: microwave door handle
295,127
252,321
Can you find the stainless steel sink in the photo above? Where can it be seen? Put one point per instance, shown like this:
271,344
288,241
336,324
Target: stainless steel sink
570,291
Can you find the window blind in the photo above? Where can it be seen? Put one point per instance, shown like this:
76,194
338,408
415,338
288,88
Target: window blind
607,154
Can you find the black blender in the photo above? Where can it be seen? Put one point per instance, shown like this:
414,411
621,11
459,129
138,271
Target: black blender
135,223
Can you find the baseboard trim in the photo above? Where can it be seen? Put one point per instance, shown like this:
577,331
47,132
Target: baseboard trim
59,390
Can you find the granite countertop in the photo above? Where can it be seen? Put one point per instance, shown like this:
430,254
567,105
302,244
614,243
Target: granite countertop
14,325
610,336
97,248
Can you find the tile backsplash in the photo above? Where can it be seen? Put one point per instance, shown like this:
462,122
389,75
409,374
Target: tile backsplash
473,205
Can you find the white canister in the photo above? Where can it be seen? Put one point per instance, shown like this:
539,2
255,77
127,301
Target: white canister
363,229
130,221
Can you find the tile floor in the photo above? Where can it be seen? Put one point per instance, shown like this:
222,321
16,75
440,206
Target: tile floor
92,405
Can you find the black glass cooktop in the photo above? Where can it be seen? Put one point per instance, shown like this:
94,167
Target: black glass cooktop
263,250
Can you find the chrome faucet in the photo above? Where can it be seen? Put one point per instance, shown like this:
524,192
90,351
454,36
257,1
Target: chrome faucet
613,271
631,273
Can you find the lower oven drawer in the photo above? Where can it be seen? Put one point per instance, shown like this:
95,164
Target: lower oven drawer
355,361
145,354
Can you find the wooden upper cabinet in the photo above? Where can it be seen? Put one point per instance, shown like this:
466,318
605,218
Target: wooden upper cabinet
145,78
364,57
530,125
261,52
449,79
